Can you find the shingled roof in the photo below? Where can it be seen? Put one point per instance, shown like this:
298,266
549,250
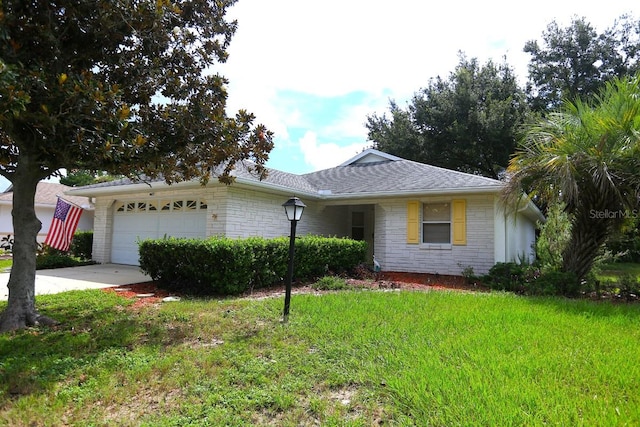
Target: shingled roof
396,176
373,173
370,173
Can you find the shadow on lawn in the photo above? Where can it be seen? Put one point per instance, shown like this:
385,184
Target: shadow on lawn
34,360
588,306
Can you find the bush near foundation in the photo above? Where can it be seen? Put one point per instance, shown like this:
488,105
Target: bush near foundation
529,279
82,245
79,253
232,266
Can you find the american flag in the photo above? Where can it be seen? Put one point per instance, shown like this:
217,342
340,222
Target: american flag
63,225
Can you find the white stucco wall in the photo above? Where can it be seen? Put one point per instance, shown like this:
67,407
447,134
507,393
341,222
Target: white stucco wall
517,233
520,238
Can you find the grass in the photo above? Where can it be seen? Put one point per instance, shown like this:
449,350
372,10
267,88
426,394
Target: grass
612,272
354,358
5,264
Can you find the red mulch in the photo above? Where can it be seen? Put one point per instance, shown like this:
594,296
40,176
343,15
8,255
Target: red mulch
148,293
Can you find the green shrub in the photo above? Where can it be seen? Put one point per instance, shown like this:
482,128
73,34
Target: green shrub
554,236
270,260
628,286
529,280
625,244
217,265
82,244
315,256
505,276
48,258
554,283
232,266
330,283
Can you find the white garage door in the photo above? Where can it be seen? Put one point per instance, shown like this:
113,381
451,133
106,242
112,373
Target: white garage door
138,220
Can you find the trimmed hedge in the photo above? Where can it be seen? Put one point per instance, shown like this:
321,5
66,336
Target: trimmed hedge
232,266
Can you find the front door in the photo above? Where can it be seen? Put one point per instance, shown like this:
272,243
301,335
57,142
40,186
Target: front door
362,220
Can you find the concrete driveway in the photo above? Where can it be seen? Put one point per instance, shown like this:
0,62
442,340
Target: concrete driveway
76,278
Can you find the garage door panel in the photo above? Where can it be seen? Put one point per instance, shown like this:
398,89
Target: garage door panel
131,227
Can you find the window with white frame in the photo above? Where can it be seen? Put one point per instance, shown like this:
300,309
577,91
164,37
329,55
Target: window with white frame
436,223
160,205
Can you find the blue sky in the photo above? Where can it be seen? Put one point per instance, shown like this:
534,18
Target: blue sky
316,124
312,71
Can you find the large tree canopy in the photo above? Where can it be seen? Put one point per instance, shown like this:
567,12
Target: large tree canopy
576,61
587,156
122,86
467,123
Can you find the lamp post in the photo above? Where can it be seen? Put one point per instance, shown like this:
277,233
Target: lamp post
293,208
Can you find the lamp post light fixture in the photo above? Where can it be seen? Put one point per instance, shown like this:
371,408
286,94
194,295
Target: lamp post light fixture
293,208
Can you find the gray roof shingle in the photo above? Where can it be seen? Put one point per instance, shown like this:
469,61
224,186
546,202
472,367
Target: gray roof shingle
395,176
360,177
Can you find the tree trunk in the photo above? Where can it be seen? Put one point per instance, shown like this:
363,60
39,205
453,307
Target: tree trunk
21,312
588,235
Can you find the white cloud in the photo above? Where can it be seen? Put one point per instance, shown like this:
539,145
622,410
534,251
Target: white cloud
326,155
334,47
385,49
353,117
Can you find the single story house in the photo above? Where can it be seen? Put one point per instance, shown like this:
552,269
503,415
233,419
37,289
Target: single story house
415,217
45,205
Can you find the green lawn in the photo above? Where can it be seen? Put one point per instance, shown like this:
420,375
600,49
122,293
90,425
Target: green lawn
5,264
350,358
612,272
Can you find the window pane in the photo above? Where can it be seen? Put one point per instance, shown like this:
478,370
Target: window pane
436,212
436,233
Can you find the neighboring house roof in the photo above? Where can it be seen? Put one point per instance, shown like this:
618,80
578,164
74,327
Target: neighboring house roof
369,174
47,196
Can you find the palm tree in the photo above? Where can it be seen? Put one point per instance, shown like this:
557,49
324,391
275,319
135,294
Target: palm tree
586,155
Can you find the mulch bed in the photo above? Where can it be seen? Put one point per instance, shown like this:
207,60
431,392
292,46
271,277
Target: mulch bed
148,293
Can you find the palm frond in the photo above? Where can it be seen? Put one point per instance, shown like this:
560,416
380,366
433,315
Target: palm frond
583,152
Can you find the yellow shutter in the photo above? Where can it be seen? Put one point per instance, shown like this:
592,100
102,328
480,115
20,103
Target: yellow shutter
413,221
459,222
